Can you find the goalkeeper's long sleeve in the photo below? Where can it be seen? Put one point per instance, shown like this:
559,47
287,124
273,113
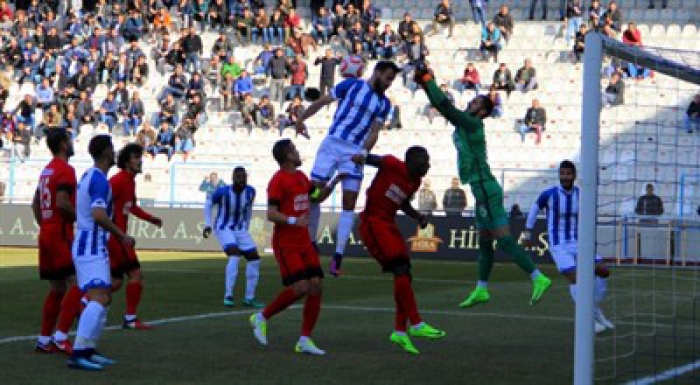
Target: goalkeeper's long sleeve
460,119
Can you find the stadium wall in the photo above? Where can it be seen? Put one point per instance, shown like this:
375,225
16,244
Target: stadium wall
446,238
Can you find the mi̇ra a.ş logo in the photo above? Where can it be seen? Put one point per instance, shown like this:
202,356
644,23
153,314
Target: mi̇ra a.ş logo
425,240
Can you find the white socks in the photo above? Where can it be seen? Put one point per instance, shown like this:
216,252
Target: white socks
252,274
482,284
345,222
90,326
231,274
601,287
572,290
314,220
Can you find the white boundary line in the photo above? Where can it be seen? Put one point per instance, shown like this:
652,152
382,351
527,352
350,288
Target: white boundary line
667,375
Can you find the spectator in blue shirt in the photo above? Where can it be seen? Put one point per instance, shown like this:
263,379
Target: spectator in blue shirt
108,111
44,94
244,85
322,26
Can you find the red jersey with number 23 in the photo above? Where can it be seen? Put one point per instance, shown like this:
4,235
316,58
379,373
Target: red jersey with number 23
389,190
57,176
290,192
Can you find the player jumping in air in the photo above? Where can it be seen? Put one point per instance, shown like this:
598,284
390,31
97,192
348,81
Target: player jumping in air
562,207
232,224
391,190
491,218
123,258
288,208
362,109
94,209
54,211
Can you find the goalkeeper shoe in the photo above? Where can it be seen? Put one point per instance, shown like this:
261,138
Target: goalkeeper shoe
404,342
259,328
308,347
99,359
334,268
600,318
426,331
477,296
254,303
84,364
539,286
229,302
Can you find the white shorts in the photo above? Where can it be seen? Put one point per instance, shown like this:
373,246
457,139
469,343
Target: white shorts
236,238
565,255
92,272
335,156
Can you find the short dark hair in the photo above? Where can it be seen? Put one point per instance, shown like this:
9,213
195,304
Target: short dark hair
414,151
127,152
487,104
239,169
568,164
279,150
54,139
98,145
384,65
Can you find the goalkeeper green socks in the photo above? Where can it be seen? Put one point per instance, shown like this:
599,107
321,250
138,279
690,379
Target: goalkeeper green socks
486,253
508,245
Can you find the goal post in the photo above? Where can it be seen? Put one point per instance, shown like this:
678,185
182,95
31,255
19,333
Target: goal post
681,65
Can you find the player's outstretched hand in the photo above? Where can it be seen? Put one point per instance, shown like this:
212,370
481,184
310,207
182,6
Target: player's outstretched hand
359,159
422,74
129,241
423,222
300,129
157,222
206,232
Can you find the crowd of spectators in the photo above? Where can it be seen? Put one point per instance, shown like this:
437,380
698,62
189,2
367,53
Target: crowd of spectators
68,50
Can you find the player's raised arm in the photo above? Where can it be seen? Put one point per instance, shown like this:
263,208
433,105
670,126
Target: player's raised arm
537,206
311,111
439,100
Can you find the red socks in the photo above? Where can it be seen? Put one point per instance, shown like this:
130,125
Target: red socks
286,298
405,301
312,308
49,314
133,296
70,308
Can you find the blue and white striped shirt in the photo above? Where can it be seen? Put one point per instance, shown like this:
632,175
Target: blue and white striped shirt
235,209
93,191
562,214
359,106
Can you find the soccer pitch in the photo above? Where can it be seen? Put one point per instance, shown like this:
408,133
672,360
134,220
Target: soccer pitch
196,340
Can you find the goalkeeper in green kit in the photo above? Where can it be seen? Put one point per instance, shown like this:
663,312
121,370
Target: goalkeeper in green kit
491,219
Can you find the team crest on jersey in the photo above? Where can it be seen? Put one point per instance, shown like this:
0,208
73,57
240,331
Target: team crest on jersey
425,240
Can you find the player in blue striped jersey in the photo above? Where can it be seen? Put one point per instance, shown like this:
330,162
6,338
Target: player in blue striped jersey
94,225
362,110
232,223
562,209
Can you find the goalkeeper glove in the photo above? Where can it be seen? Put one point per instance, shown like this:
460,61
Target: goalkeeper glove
422,74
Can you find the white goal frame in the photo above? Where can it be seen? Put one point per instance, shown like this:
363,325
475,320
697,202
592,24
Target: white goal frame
596,46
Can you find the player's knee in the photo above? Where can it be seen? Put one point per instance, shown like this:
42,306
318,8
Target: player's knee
117,284
301,288
58,286
315,286
135,276
102,296
602,271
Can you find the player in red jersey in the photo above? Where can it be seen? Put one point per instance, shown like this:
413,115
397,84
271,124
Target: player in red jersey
392,190
54,211
300,267
123,259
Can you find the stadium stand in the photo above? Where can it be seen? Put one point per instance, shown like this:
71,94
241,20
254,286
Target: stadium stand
224,140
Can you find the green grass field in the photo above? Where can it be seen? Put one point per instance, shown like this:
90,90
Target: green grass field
197,340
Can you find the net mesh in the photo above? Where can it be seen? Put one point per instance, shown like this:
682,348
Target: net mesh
653,292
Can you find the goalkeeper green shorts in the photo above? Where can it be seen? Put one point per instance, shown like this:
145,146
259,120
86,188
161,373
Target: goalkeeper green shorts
490,213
